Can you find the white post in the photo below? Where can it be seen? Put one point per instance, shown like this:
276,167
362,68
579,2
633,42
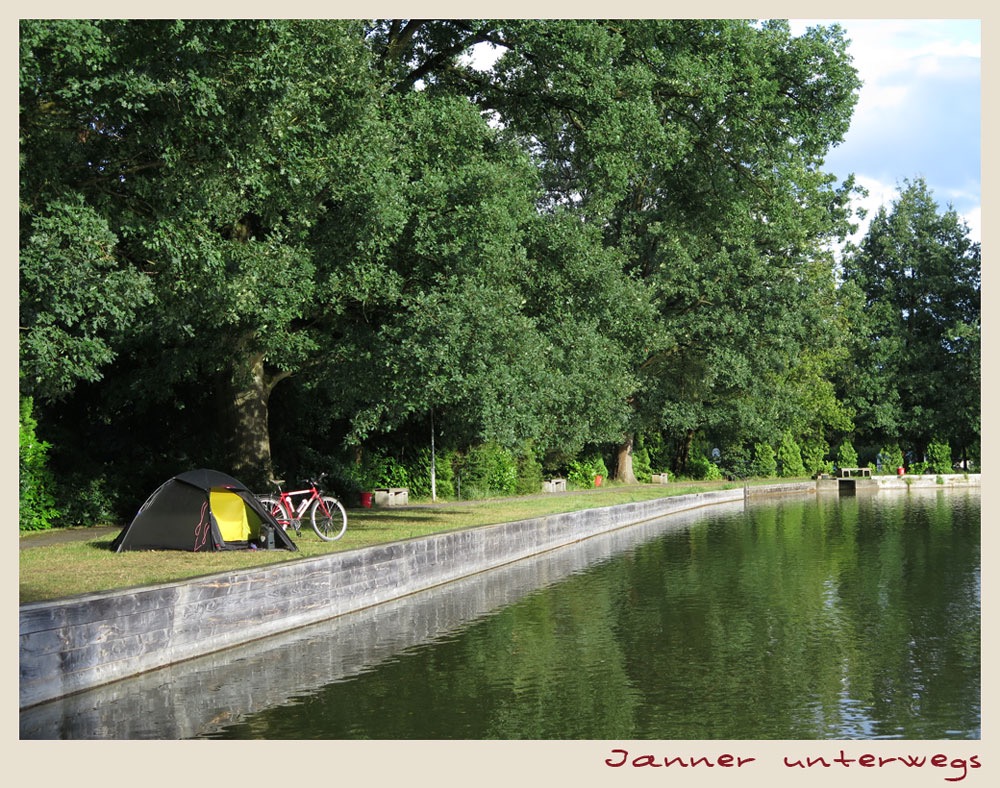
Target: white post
433,465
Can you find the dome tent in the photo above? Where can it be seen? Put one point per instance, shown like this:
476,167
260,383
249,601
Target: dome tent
201,511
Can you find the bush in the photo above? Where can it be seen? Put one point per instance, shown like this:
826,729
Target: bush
379,469
529,473
764,464
813,453
93,500
362,474
703,469
444,473
892,458
395,473
938,457
37,505
657,450
737,461
641,465
489,469
581,472
789,457
847,457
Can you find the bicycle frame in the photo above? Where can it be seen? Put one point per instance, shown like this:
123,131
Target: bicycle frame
297,512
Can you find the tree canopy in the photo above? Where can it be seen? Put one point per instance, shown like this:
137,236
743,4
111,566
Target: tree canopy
268,245
915,278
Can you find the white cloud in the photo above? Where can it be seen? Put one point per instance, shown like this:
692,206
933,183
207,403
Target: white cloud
896,58
974,218
918,113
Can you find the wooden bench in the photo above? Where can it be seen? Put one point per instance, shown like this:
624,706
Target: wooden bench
854,473
554,485
392,496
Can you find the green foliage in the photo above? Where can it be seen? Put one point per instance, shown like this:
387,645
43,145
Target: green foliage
363,473
764,464
95,500
703,469
76,298
892,458
316,220
580,474
488,470
658,450
938,457
582,471
444,476
814,458
641,466
415,473
418,474
397,474
737,461
381,468
529,472
789,457
37,509
847,457
914,283
189,185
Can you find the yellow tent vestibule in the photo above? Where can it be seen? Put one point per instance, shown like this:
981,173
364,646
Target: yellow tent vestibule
231,515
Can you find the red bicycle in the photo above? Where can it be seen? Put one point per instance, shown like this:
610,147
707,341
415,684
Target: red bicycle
326,513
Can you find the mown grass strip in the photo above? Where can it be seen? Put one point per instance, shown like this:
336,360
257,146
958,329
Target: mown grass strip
67,569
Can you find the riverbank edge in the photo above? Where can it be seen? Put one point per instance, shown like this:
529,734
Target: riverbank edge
71,645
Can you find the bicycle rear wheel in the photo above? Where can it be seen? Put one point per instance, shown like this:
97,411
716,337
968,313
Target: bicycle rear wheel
329,520
277,510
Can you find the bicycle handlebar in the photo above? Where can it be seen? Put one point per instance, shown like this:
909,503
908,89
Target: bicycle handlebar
312,482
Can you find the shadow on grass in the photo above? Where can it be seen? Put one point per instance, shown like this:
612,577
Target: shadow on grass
101,544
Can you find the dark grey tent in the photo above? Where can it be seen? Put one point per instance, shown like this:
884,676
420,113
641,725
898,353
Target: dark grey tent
202,511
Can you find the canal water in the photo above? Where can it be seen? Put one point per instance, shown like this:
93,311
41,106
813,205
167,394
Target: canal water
806,617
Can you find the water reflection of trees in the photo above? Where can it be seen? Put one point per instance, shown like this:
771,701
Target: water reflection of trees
821,618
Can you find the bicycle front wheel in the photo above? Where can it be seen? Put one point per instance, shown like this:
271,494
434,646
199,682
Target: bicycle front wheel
329,520
277,510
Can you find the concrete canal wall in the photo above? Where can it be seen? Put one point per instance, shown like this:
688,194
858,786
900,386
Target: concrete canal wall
905,482
71,645
928,480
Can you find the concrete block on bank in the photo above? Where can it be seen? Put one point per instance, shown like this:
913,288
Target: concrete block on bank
661,478
554,485
392,496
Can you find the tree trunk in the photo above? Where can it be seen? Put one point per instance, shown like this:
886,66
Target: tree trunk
623,468
249,438
683,452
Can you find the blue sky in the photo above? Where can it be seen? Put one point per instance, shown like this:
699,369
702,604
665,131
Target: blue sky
918,113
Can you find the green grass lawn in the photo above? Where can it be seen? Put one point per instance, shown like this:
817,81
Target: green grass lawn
54,571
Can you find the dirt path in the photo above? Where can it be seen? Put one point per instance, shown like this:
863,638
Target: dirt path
64,535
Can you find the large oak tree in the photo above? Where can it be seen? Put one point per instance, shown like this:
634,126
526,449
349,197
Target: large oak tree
695,147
